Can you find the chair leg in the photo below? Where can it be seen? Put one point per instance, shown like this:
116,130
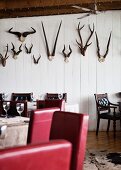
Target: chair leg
98,122
120,124
114,128
108,125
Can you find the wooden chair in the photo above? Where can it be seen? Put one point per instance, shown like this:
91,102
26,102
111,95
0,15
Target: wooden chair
53,96
106,110
1,97
22,96
12,111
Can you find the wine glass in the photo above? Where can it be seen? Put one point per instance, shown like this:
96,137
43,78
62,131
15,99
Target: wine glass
60,96
31,97
20,108
3,96
6,107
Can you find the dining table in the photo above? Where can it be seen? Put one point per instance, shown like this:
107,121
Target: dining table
15,131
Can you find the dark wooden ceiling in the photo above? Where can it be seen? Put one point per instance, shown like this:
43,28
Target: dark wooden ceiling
27,8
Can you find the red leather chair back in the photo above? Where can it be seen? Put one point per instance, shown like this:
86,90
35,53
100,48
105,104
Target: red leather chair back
40,124
72,127
51,103
54,155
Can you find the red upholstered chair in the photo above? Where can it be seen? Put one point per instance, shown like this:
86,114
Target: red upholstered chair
72,127
40,104
40,124
51,103
54,155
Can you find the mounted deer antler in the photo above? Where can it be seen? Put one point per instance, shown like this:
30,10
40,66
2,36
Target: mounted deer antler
50,56
36,61
15,53
80,45
101,58
28,51
23,35
67,55
3,59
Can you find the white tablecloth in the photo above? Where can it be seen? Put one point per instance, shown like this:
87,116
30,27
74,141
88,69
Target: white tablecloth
72,108
31,106
16,132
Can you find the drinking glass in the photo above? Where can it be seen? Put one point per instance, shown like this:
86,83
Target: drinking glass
20,108
6,107
60,96
3,96
31,97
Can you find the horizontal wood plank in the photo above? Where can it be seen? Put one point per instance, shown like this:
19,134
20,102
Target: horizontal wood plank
26,8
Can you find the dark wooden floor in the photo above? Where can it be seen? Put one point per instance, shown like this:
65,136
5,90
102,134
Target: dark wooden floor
104,141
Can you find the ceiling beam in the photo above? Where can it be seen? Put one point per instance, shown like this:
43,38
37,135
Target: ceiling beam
27,8
7,4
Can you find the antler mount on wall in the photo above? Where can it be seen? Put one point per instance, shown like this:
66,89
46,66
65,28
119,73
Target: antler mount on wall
16,53
36,61
66,55
28,50
4,58
82,47
51,55
23,35
101,58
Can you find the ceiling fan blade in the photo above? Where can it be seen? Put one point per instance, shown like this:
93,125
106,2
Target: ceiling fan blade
99,12
76,6
82,8
95,7
84,16
96,12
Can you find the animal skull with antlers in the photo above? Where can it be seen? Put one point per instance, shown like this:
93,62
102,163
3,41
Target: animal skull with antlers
51,55
23,35
28,51
82,47
67,55
36,61
4,58
101,58
16,53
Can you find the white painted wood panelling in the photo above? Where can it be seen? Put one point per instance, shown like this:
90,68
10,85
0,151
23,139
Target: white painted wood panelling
81,77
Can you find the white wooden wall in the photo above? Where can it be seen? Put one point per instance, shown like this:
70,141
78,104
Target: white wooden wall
81,77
